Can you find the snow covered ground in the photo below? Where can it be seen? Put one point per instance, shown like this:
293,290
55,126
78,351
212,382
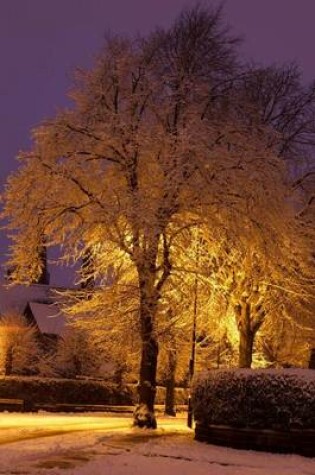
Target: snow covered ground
94,444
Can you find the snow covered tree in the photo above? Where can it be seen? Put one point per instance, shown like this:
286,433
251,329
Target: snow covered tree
19,346
276,97
77,355
284,343
149,147
255,285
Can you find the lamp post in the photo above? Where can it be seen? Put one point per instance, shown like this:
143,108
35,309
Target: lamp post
192,359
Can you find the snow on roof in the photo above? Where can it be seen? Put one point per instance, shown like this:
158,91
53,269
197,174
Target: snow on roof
42,302
49,318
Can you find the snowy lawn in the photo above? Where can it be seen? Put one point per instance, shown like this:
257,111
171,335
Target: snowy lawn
108,446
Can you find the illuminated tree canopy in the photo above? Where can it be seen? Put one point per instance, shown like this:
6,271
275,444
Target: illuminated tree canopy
154,149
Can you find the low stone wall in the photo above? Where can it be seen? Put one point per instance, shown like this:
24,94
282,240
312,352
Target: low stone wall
296,441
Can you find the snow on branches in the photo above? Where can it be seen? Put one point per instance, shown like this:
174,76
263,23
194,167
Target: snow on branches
153,147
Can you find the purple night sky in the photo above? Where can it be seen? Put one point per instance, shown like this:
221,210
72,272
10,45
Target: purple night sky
42,41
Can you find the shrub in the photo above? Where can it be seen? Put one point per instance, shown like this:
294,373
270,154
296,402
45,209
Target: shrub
19,348
264,399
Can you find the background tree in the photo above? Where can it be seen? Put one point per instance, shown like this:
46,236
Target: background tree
284,343
260,289
77,355
276,97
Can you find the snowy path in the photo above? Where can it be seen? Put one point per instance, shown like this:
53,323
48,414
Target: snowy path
108,446
18,427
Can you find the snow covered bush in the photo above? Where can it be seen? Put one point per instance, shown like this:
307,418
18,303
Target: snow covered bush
264,399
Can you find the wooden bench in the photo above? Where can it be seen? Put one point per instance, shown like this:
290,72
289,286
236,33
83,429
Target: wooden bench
10,404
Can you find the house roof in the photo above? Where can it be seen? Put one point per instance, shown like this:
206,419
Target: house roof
48,317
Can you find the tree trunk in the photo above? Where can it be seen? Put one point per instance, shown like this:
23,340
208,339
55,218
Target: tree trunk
246,348
170,407
144,413
250,316
150,286
9,361
247,333
77,366
44,277
311,364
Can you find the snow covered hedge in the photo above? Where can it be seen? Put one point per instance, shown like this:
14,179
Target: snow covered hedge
63,391
262,399
47,391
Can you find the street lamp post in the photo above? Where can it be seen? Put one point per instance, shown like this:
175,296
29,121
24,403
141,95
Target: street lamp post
192,364
192,359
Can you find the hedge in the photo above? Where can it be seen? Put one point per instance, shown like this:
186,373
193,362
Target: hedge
260,399
45,391
49,391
